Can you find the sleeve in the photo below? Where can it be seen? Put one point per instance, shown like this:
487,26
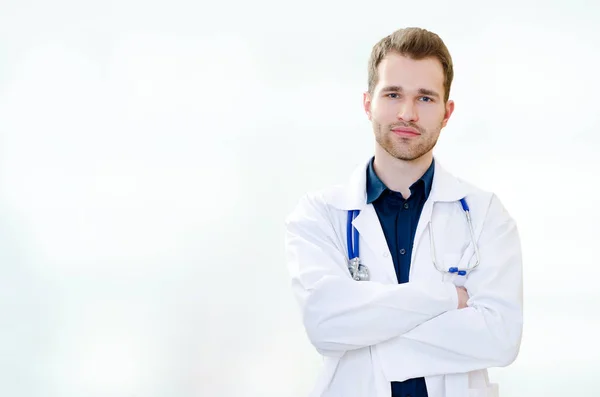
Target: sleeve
485,334
339,313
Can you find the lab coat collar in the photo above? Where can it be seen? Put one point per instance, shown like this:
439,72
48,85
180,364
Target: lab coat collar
353,195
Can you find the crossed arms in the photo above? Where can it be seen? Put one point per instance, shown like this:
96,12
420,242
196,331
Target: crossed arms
420,323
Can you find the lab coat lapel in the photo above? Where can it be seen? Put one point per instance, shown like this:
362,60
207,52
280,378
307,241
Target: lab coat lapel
370,231
445,188
374,251
421,226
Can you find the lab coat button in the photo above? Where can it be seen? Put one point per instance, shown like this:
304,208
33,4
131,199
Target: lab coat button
385,254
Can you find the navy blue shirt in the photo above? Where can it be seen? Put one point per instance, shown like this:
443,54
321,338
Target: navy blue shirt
399,218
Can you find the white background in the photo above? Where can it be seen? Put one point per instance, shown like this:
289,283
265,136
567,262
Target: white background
150,151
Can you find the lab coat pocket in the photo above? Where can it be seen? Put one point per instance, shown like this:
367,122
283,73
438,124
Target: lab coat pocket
487,391
480,386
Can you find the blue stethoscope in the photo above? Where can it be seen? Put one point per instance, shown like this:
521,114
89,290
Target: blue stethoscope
360,272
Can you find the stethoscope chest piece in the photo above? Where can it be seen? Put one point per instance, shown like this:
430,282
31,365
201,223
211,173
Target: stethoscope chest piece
358,271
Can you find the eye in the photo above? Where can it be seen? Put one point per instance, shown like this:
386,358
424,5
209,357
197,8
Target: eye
426,99
393,95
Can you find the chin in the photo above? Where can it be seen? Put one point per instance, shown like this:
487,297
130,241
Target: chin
408,155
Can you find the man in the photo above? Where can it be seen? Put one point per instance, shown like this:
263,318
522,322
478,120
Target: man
413,327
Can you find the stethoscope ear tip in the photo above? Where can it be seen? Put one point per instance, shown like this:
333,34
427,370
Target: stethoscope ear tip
459,272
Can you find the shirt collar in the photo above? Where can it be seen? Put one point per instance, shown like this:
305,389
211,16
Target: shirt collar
376,187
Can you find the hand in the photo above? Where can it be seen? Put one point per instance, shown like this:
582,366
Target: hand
463,297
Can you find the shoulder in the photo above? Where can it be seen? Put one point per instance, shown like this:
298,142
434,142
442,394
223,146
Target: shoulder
314,204
485,204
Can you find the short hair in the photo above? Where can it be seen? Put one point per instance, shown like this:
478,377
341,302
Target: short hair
416,43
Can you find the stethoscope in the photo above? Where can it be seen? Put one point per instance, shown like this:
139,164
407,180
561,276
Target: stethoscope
360,272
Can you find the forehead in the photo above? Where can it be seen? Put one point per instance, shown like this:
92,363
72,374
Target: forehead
411,74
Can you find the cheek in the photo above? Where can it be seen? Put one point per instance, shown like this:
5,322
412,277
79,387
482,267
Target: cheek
381,112
432,114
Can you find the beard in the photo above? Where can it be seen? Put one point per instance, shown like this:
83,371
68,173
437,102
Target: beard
406,149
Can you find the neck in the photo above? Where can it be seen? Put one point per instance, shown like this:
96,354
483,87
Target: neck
399,175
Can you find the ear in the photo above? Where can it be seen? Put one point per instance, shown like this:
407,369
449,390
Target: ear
448,113
367,104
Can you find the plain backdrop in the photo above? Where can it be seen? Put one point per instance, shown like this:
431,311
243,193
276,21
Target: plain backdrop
150,151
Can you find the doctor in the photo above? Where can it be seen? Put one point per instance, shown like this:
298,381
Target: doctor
438,298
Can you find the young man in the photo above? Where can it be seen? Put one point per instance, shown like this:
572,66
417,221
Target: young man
438,298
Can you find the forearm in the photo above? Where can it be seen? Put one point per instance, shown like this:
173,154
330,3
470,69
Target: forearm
456,341
340,314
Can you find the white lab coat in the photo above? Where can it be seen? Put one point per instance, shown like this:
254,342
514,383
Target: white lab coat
373,332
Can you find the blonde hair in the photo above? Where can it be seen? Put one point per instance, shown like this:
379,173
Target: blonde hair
416,43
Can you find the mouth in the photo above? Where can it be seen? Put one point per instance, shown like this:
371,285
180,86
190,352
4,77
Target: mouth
405,132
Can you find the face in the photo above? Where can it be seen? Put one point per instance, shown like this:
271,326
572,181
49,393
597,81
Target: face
407,106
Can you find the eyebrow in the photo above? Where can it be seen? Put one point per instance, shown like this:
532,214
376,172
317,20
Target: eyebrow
422,91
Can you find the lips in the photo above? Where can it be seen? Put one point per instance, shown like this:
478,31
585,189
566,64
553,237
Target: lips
405,131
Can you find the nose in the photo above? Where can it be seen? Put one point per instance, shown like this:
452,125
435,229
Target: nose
407,112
